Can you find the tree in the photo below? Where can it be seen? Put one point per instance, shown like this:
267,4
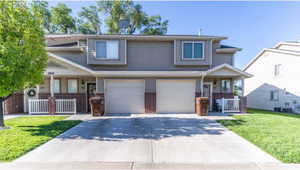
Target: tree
42,8
62,19
155,26
137,18
115,11
22,48
89,21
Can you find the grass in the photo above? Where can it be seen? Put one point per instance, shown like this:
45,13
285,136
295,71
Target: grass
276,133
27,133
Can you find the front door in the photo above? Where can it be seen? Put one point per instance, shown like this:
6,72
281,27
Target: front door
91,92
207,92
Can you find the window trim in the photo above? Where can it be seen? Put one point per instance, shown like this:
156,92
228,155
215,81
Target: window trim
77,89
107,59
203,50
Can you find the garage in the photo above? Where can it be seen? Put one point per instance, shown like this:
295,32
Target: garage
175,96
124,96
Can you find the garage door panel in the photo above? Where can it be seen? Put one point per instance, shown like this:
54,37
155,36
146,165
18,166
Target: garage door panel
124,96
176,96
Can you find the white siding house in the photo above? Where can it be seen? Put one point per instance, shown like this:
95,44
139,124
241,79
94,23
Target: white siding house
276,80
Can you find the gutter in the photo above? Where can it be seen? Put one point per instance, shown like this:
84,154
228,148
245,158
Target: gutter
71,49
227,50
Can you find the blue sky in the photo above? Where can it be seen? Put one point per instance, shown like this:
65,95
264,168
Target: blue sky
251,26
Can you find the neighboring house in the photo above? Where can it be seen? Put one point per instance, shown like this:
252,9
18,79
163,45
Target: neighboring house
275,84
136,73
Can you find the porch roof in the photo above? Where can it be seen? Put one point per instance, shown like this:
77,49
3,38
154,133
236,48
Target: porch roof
226,70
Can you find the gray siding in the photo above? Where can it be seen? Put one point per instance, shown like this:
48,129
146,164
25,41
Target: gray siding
148,56
91,58
100,85
150,83
219,59
76,57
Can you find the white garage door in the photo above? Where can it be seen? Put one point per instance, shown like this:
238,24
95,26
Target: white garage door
124,96
175,96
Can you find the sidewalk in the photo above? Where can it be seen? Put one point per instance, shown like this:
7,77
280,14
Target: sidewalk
6,117
142,166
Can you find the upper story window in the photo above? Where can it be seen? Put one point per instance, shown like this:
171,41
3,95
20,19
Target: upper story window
72,85
107,49
277,69
193,50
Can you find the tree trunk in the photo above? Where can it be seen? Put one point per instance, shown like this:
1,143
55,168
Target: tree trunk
2,99
1,113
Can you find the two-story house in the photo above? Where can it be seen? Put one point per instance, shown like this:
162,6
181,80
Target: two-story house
137,73
274,85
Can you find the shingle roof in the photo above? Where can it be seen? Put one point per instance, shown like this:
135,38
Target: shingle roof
169,36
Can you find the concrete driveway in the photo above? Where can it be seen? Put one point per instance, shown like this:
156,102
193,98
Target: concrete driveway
149,140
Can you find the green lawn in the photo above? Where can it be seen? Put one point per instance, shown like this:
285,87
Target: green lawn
275,133
27,133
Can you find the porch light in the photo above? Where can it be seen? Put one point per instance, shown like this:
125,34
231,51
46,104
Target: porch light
82,84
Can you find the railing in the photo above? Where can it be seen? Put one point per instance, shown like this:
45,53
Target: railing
61,106
230,105
38,106
65,106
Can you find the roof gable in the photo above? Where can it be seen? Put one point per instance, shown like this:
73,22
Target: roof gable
227,70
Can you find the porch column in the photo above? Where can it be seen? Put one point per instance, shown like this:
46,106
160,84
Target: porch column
201,87
51,99
51,85
243,86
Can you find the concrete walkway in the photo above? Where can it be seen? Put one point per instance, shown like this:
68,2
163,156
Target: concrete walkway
143,166
164,139
6,117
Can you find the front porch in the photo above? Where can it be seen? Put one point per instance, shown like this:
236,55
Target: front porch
78,88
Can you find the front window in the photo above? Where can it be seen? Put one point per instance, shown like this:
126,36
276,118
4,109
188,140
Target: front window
193,50
72,85
274,95
225,85
107,49
56,86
